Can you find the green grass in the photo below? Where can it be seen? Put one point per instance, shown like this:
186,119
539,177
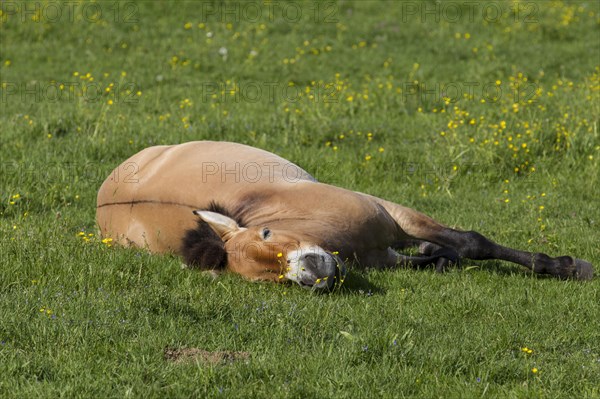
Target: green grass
81,319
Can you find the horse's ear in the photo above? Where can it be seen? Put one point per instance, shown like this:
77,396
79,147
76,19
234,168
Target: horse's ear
224,226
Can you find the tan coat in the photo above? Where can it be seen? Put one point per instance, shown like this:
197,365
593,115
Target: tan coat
148,201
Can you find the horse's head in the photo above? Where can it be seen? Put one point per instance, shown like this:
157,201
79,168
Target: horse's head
259,252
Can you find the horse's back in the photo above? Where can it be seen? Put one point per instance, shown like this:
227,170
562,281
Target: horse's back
158,188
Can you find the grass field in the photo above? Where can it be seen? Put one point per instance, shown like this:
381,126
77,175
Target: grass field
483,115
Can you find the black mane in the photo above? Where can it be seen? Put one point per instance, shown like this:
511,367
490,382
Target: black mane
218,208
203,248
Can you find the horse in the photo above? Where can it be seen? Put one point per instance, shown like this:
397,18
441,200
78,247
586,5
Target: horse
226,206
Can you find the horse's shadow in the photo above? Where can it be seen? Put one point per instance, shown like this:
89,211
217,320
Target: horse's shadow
356,284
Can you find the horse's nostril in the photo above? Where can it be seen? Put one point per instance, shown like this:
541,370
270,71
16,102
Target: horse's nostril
311,257
314,259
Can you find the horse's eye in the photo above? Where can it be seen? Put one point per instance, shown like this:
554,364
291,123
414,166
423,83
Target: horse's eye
266,233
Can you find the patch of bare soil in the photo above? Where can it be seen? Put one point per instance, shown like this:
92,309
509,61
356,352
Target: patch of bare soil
189,355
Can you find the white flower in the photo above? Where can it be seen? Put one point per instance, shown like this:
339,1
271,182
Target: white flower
223,51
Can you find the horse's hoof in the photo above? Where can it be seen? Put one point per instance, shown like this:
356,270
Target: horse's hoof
583,270
441,265
446,257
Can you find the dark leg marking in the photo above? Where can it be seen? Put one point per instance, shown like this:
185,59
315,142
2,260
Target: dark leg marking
406,243
440,257
472,245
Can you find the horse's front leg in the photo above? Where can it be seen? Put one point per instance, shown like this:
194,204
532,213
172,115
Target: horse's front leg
472,245
389,258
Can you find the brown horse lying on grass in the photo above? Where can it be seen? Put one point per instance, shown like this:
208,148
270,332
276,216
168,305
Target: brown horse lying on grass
227,206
